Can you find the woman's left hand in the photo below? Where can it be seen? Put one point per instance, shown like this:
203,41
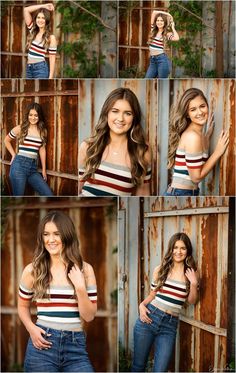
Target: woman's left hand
210,126
191,276
77,277
44,174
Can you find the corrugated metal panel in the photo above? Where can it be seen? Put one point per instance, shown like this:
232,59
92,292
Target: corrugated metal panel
201,340
134,27
59,100
19,235
14,36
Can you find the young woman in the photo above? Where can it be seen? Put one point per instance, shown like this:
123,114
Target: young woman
39,42
188,145
31,136
174,282
64,288
160,66
116,159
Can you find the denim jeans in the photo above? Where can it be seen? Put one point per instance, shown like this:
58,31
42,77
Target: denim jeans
24,169
159,67
181,192
38,70
67,353
161,333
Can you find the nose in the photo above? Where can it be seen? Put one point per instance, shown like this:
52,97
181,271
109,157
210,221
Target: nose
120,117
51,238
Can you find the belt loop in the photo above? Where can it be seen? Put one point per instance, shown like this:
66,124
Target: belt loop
73,336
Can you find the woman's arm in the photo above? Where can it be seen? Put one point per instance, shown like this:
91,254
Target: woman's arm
42,155
32,8
82,280
192,276
24,312
8,140
143,310
174,36
193,144
82,160
52,56
155,12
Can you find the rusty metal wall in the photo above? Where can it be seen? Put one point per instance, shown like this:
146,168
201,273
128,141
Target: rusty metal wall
145,227
59,100
14,36
156,98
134,27
95,221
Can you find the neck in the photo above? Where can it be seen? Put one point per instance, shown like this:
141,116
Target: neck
178,267
196,128
118,140
56,261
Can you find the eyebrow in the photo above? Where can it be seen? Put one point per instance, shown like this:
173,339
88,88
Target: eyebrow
51,232
130,111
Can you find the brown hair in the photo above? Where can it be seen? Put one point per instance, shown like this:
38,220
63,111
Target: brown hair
35,29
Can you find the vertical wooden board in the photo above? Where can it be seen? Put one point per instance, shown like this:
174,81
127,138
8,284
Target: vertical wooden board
9,110
135,27
67,187
98,352
209,229
123,26
185,342
134,56
7,353
230,166
123,52
206,353
146,26
94,248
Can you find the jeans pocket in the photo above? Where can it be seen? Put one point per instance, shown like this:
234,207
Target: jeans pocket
80,340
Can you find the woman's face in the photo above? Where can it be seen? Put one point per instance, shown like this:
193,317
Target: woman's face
160,22
179,251
198,111
52,239
120,117
40,20
33,116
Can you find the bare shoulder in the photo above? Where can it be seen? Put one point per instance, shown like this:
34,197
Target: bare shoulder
27,276
191,141
53,39
83,146
16,130
88,269
156,270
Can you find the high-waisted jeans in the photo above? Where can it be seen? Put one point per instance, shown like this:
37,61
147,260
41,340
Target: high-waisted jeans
67,353
181,192
24,169
162,333
159,67
38,70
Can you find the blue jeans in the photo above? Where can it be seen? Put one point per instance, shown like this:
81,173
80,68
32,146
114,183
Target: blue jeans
67,354
24,169
181,192
162,333
38,70
159,67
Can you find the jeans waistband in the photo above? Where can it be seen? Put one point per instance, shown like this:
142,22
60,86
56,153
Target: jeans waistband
162,313
36,64
158,55
26,159
58,332
195,192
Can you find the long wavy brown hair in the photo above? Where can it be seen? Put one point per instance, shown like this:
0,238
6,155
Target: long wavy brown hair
179,120
136,145
167,262
155,29
46,35
41,124
70,253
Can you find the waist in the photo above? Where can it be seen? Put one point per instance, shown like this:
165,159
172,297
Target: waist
26,158
59,332
162,311
27,155
36,63
157,55
173,188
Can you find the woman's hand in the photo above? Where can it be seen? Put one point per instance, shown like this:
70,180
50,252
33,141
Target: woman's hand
143,311
44,174
210,126
12,158
37,339
191,276
222,143
77,278
49,7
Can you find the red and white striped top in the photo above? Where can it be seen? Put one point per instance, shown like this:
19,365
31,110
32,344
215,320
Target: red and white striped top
30,147
37,51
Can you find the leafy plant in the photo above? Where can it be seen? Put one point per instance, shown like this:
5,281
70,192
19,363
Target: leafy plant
82,17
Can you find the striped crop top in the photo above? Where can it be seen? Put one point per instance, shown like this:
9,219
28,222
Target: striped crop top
110,180
60,311
156,45
37,51
185,161
30,146
171,296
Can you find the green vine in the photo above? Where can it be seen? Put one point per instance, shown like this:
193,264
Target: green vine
82,17
188,54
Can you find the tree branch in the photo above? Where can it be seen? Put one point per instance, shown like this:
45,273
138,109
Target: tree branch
93,15
193,14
